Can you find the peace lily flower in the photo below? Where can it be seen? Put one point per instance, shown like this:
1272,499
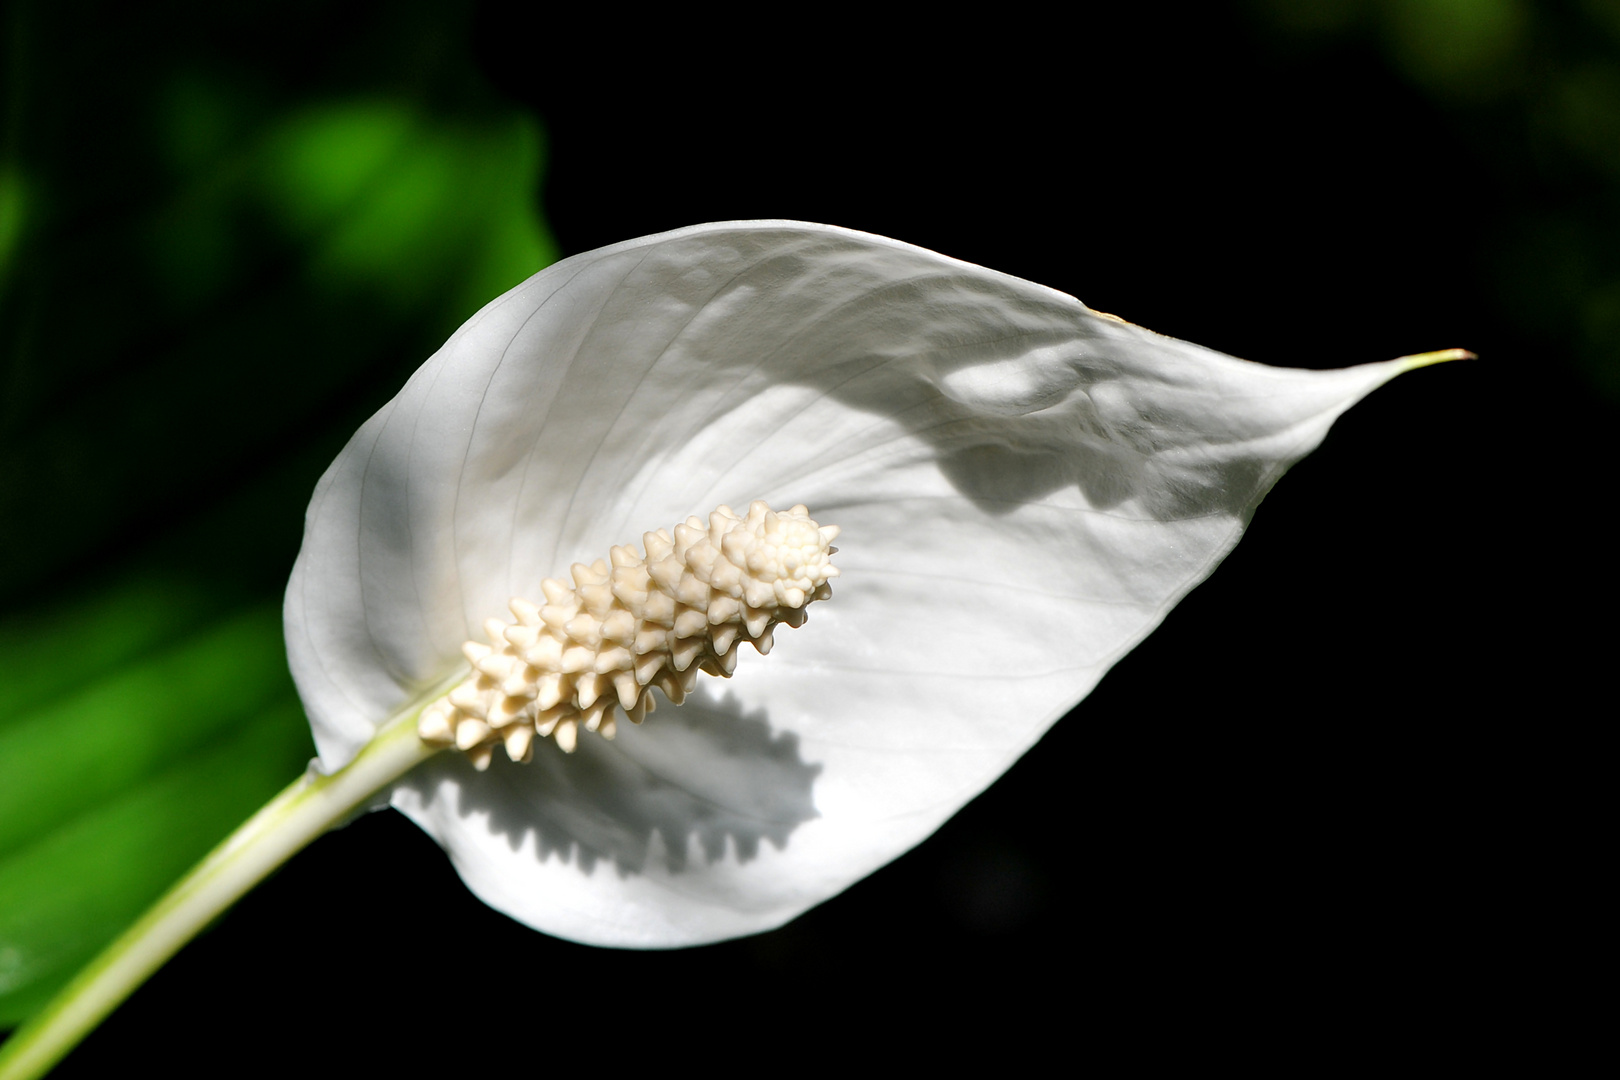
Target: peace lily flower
1024,487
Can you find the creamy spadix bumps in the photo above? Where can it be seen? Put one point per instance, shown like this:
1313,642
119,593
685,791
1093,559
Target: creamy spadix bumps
648,620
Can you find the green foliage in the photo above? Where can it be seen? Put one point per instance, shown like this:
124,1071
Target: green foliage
207,280
1533,90
94,740
112,848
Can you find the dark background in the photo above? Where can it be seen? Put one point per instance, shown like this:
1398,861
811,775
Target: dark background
1331,800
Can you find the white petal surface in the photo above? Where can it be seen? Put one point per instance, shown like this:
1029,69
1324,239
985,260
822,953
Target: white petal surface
1025,487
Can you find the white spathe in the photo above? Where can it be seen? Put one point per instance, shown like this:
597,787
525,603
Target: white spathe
1025,488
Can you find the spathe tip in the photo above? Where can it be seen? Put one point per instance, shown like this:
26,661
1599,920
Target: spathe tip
1410,363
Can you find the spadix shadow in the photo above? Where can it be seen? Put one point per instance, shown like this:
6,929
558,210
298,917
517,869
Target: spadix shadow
689,783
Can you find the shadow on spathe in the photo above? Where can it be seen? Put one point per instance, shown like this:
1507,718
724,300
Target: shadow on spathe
691,782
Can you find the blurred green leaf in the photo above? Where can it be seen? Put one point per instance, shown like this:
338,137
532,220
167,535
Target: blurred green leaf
268,260
1531,95
279,286
110,735
102,629
1461,48
75,887
13,205
212,269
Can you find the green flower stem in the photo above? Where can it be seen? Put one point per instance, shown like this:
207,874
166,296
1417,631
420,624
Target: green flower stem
308,807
